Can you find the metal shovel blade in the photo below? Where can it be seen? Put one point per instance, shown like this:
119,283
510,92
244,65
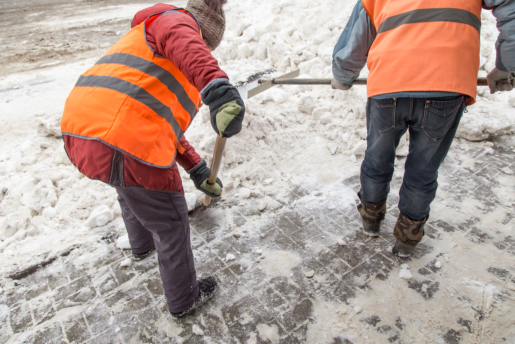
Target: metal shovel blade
270,83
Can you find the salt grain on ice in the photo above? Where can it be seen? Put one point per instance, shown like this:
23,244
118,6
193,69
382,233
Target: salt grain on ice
438,265
230,257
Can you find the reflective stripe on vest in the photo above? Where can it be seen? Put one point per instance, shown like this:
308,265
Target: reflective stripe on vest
425,45
133,100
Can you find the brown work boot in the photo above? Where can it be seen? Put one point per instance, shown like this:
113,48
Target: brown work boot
408,233
372,216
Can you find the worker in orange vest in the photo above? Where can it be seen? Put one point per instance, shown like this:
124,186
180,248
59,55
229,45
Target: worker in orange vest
423,58
124,124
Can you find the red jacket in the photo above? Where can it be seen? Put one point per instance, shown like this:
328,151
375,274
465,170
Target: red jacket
177,38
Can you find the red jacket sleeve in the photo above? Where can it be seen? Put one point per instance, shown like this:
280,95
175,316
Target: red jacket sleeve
190,157
178,38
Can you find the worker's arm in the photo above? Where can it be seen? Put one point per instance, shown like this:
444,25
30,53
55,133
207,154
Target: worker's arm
178,37
198,170
350,53
504,11
189,158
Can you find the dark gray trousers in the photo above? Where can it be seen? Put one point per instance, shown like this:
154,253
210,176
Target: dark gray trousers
160,219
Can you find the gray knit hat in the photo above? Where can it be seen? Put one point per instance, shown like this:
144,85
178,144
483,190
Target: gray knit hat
211,19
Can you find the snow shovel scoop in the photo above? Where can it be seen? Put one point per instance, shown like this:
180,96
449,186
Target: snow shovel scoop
289,79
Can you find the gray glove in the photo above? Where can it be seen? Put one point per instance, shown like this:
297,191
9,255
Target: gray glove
499,80
336,85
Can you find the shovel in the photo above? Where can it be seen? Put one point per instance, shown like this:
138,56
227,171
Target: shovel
215,166
289,79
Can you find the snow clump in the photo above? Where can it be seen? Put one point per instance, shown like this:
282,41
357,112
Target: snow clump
123,242
405,273
191,200
100,217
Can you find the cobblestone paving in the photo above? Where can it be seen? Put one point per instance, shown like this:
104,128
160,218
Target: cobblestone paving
105,303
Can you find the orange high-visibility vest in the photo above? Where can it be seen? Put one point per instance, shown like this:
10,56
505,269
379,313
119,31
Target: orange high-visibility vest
134,101
424,45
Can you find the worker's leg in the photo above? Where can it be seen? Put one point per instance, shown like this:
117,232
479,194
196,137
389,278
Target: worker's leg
140,239
434,125
165,214
386,123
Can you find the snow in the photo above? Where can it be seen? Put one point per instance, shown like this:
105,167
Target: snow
100,216
126,263
123,242
310,274
268,333
244,193
197,330
49,213
297,136
191,200
404,272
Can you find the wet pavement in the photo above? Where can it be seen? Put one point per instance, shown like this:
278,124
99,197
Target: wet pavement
355,295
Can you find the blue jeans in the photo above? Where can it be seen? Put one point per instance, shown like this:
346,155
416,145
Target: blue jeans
432,125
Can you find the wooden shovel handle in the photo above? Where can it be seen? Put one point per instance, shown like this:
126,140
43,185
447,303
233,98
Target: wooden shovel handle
215,165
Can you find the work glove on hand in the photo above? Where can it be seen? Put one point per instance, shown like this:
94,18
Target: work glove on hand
226,107
336,85
199,175
499,80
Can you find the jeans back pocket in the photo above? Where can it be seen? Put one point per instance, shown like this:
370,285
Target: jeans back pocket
382,113
439,116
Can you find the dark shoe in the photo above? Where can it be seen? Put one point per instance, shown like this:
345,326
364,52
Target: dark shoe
402,250
206,289
140,256
408,233
372,216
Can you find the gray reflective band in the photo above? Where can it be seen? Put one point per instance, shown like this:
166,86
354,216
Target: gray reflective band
135,92
156,71
431,15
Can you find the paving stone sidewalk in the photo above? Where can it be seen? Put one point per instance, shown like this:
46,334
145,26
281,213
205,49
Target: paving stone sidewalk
106,303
